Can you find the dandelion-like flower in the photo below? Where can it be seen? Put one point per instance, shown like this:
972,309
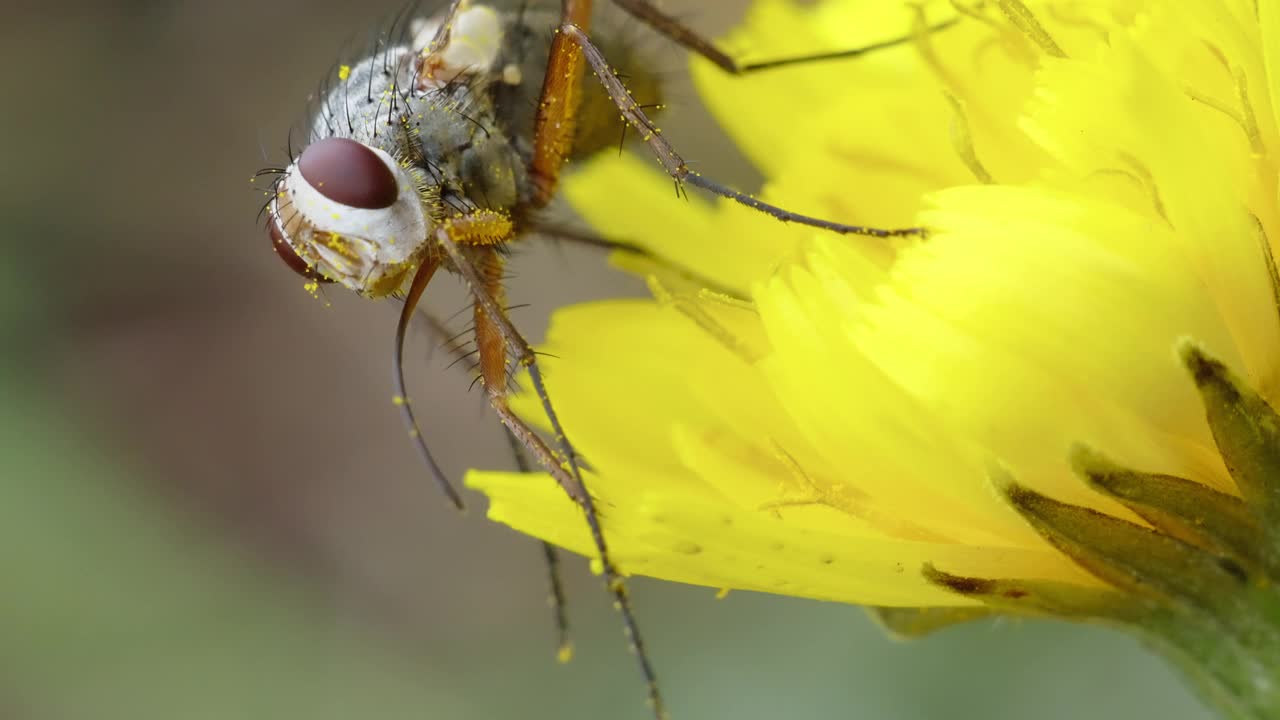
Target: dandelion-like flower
1057,402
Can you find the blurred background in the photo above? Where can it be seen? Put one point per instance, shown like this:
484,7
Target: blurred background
207,503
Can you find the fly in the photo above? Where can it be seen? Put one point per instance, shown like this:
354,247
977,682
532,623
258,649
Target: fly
426,156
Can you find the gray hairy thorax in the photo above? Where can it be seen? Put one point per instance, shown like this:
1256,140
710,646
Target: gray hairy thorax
472,139
451,135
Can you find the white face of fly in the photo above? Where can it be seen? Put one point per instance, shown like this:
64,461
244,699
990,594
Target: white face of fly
353,207
352,214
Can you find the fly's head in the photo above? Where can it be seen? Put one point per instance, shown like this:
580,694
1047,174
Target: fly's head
394,149
350,207
349,212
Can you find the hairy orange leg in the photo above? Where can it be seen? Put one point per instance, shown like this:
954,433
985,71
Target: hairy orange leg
556,123
467,243
498,340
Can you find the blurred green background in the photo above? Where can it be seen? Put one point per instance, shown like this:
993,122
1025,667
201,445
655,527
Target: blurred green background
208,506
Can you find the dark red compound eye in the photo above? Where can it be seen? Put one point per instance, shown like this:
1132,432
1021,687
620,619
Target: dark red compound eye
349,173
289,255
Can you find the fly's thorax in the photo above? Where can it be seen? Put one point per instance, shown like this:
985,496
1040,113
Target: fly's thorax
467,153
456,127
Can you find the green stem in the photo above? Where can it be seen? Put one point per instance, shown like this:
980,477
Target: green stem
1233,661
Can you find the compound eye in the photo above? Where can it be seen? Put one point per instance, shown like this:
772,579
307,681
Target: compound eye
349,173
289,255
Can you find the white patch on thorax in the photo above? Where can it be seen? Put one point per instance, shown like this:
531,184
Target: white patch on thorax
475,39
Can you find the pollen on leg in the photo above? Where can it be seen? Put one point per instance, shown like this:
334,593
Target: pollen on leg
485,227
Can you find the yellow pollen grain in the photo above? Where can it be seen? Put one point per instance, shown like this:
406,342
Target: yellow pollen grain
564,654
344,72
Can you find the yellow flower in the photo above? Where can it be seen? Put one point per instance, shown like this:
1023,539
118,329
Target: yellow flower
1099,182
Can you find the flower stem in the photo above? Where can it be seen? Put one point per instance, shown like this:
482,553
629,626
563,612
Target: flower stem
1233,661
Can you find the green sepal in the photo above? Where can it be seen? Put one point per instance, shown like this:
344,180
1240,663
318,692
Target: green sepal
1184,509
1130,557
1044,598
1247,432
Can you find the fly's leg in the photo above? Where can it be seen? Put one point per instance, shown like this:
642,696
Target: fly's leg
492,345
420,280
684,36
550,554
675,165
556,122
481,269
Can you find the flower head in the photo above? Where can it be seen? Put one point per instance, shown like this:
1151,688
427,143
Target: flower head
857,420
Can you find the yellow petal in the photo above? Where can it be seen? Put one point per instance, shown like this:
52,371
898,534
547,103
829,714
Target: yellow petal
686,539
1090,202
